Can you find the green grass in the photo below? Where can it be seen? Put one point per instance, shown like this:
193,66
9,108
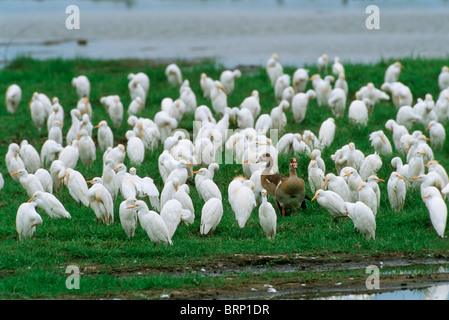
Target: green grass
35,268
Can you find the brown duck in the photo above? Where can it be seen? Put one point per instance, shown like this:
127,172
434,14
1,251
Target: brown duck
268,179
290,192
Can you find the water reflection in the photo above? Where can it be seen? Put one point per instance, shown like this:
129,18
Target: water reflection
434,292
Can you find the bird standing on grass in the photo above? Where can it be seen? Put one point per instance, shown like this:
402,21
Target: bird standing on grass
397,191
211,215
100,201
82,86
267,216
50,204
152,223
86,147
437,209
27,219
13,97
29,181
363,218
128,217
332,202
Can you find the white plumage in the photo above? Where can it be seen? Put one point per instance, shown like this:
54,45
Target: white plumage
50,204
135,149
86,148
437,134
13,97
100,201
29,182
363,218
437,209
227,78
337,102
152,223
274,68
443,78
128,217
173,74
82,86
267,217
299,104
173,213
38,113
392,72
397,191
219,98
380,143
358,113
242,200
205,186
211,215
332,202
282,82
27,219
326,133
30,157
300,79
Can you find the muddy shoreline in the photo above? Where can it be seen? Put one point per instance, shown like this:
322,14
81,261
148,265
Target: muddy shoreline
323,283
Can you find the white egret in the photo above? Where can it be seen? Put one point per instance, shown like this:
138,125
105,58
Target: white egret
13,97
363,218
100,200
211,215
437,209
50,204
27,219
397,190
267,216
128,217
152,223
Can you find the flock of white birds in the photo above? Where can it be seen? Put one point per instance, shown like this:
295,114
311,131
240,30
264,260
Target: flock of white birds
351,191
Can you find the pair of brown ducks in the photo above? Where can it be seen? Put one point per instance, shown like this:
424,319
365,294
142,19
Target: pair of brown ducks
288,191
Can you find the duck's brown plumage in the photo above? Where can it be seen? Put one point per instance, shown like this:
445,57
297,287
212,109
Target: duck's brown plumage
269,180
290,192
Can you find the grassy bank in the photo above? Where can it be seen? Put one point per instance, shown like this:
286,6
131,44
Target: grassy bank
36,268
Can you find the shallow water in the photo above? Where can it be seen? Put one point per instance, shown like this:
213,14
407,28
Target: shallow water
233,31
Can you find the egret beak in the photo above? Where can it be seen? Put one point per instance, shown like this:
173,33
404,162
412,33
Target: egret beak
314,197
325,184
425,197
247,160
90,181
409,146
97,126
383,139
14,173
59,181
347,174
428,127
31,199
415,178
360,186
189,164
131,207
381,180
401,177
